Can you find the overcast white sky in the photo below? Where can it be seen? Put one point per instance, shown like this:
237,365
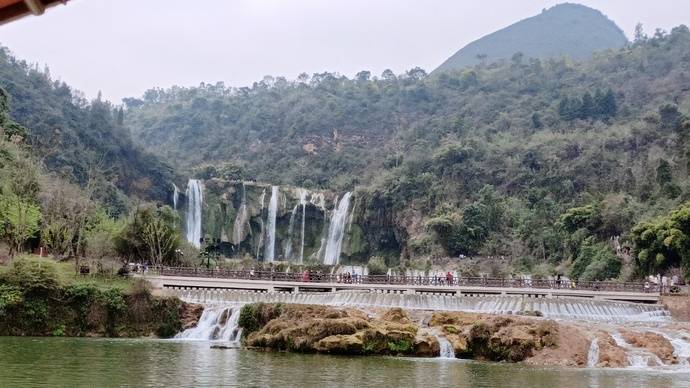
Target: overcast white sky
123,47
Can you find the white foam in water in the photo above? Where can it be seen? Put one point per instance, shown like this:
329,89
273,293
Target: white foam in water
216,324
593,354
637,357
681,346
447,350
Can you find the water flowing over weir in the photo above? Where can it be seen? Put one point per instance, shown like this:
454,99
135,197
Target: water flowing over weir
216,324
336,230
560,308
269,253
194,201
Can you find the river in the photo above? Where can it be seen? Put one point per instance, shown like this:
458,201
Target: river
81,362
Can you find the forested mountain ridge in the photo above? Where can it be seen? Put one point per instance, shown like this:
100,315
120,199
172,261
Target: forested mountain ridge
571,30
80,140
487,160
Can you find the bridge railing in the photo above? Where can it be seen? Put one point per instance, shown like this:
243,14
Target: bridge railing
487,282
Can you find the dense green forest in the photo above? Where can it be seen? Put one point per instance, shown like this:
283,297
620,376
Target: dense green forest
544,36
83,141
547,162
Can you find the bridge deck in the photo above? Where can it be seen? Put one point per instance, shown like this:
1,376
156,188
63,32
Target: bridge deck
452,288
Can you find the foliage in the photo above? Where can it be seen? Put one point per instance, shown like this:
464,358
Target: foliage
18,220
150,234
79,140
664,243
33,276
10,296
595,261
377,266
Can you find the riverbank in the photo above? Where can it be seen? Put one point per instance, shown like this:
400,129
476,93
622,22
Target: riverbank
488,337
37,300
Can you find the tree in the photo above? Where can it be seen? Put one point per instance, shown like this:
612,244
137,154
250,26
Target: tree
150,235
586,107
18,221
663,173
670,117
639,36
663,243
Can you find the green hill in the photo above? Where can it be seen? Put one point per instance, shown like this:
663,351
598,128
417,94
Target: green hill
570,30
79,139
541,161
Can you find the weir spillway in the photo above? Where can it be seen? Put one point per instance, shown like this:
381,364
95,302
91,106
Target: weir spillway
554,308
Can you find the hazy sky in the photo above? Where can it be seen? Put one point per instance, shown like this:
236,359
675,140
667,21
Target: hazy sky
123,47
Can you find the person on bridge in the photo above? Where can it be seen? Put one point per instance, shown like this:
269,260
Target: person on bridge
449,278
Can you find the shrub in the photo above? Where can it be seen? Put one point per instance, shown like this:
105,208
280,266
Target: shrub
34,276
377,266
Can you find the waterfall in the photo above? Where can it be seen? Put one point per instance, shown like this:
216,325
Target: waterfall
336,230
447,350
291,227
593,354
194,202
176,196
269,252
681,346
262,199
216,324
562,308
303,202
240,220
637,357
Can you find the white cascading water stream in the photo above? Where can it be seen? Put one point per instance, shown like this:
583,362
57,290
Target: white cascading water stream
336,230
176,196
593,354
216,324
262,199
637,357
447,350
291,228
303,202
194,201
681,346
269,252
240,220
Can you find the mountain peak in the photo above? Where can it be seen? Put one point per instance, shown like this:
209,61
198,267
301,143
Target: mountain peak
567,29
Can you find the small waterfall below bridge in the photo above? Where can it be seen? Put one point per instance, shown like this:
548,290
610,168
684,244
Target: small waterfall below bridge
336,230
561,308
270,249
195,200
216,324
446,350
593,353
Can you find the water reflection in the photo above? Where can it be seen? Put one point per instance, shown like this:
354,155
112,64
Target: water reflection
49,362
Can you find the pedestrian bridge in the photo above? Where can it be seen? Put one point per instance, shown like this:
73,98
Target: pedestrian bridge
295,283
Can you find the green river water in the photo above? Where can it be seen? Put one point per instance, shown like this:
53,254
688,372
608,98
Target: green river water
78,362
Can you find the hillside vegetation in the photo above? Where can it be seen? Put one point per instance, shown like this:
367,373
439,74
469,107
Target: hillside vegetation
546,162
81,141
570,30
